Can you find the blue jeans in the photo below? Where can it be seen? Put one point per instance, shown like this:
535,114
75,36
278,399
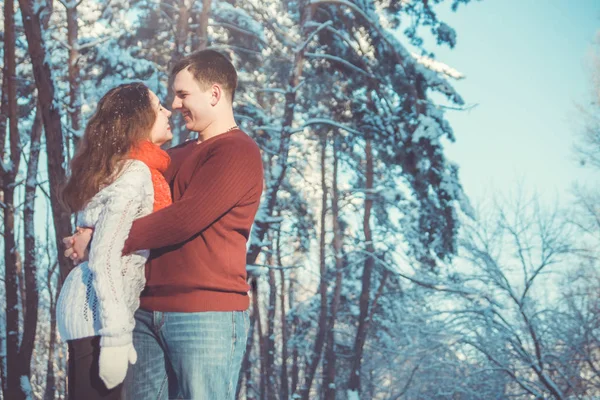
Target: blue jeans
186,355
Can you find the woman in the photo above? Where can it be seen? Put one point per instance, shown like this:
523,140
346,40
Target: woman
116,177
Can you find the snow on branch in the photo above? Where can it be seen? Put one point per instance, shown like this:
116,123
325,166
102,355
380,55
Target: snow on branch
325,121
348,4
69,5
272,90
61,42
234,48
239,30
428,283
402,55
94,43
312,35
438,66
252,267
341,61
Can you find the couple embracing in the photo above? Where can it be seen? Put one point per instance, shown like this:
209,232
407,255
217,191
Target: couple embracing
158,308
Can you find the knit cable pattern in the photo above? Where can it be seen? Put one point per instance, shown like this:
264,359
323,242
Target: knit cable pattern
100,296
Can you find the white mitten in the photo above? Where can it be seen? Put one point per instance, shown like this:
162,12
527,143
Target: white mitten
113,363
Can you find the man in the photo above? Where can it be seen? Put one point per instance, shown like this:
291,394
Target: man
191,328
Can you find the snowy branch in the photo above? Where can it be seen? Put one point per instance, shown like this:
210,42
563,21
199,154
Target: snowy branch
312,35
235,48
70,5
372,23
438,66
62,42
239,30
341,61
272,90
94,43
274,267
325,121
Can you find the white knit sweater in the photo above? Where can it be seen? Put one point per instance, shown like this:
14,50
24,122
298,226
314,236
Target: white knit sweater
99,297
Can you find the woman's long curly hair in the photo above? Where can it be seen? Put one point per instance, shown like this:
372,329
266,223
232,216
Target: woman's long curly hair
124,117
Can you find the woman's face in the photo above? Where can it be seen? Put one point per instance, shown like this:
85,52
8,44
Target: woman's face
161,130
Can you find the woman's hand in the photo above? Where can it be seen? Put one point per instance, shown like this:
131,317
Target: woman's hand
76,246
113,364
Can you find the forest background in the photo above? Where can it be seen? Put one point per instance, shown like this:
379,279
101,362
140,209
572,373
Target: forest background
430,226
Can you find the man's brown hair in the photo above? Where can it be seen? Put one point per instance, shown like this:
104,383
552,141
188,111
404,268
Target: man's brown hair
123,118
209,67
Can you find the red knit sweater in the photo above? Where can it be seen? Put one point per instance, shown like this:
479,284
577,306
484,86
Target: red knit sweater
199,261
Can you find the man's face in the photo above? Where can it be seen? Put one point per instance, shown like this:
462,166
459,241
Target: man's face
195,104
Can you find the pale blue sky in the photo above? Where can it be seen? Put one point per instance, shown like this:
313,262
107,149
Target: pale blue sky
526,67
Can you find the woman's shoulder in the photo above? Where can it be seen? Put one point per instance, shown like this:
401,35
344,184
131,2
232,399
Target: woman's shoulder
133,182
133,176
133,170
132,166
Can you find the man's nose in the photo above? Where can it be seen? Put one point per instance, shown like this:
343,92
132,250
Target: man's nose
176,103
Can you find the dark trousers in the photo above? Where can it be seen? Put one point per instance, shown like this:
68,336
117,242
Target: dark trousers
84,379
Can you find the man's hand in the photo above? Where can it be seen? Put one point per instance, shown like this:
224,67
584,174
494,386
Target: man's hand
76,245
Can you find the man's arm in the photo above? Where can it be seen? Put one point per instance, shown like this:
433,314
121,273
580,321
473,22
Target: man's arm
231,170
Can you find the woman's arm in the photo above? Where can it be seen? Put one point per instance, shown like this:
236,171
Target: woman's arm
125,197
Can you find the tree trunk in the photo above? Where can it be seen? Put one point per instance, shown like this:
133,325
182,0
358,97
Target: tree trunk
3,119
329,387
361,332
295,367
311,368
30,265
181,37
2,368
73,71
203,24
182,32
261,343
21,281
52,126
3,105
13,387
9,174
50,391
284,143
270,337
285,394
51,385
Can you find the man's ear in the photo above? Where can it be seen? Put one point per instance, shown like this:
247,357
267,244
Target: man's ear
216,94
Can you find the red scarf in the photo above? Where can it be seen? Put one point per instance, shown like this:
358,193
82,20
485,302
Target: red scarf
157,160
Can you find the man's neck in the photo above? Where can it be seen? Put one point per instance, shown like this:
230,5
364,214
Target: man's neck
217,128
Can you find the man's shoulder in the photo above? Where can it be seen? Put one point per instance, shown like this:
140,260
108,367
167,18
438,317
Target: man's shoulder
181,146
238,142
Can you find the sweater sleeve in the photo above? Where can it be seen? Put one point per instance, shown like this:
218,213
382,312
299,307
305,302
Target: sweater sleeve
123,202
232,169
